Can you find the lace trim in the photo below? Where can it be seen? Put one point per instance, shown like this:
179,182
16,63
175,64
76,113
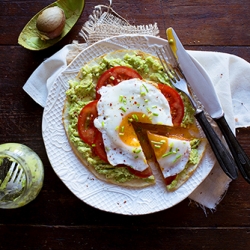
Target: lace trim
105,22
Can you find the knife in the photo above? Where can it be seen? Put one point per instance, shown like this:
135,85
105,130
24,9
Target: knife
204,90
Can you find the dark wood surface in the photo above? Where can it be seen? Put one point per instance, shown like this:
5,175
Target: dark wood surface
56,219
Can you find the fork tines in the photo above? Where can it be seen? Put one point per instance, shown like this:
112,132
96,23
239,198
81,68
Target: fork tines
173,71
14,175
169,63
166,54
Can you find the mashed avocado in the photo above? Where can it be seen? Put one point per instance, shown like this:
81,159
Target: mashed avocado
82,90
194,156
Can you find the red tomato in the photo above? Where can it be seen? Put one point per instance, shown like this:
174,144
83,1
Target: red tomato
86,129
175,103
114,76
99,149
144,174
169,179
88,132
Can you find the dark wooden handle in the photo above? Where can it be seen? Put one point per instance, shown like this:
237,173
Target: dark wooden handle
240,157
221,153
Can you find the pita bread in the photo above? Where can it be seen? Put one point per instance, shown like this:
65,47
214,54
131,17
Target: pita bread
100,169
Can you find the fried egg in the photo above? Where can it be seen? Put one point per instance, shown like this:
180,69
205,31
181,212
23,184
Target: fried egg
172,154
130,100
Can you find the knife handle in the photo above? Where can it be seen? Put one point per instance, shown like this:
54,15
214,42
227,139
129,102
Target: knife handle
221,153
240,157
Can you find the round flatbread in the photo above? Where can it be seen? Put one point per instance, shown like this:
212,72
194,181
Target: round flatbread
82,91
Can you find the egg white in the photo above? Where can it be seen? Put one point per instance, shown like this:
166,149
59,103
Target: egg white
127,99
172,154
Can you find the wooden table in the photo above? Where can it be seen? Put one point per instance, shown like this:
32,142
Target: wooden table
56,219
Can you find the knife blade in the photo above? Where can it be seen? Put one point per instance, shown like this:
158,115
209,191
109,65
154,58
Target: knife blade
203,88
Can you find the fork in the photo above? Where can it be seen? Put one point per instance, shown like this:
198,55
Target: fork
179,81
12,183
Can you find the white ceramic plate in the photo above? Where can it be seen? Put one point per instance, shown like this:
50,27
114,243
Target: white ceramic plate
76,177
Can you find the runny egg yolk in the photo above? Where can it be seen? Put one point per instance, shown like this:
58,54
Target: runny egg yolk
126,130
159,144
182,133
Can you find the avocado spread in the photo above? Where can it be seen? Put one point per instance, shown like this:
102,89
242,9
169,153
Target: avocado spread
82,91
193,160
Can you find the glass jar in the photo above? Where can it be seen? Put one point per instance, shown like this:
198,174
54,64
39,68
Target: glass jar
33,174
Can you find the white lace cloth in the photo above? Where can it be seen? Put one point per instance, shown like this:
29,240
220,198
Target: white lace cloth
230,76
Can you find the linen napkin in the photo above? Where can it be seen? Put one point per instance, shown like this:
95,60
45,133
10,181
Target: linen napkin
229,74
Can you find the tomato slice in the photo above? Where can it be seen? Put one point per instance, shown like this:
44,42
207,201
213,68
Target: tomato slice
169,179
86,129
175,102
88,132
115,75
144,174
99,149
